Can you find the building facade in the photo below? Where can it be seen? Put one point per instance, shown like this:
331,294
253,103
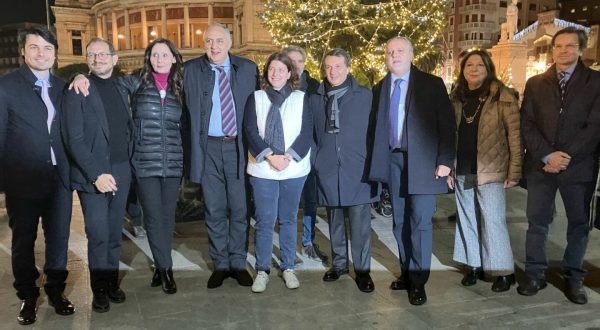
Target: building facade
131,24
10,56
476,24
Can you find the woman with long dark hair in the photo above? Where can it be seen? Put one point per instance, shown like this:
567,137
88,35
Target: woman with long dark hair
156,94
488,160
278,126
156,105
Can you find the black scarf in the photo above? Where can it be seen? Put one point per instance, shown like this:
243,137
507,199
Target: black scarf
274,126
333,111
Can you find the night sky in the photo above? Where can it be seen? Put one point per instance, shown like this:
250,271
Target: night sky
15,11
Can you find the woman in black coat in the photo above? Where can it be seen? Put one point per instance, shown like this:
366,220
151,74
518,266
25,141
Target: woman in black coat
158,152
156,93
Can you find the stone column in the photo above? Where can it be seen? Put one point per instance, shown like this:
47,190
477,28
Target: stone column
104,27
115,30
144,29
186,26
211,14
99,26
127,30
163,23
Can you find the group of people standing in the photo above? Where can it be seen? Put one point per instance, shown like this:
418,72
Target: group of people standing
278,136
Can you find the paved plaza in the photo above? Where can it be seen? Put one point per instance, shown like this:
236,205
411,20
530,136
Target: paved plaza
316,304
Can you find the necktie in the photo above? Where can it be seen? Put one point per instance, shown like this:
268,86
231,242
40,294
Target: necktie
51,111
395,115
227,111
562,82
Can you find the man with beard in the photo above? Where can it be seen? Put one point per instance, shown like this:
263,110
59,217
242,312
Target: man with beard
97,136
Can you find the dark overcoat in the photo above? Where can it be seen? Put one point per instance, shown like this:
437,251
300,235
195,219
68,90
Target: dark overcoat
575,131
198,82
430,132
342,160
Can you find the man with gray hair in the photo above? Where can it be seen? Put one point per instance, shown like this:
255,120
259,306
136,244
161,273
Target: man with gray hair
415,133
217,86
343,130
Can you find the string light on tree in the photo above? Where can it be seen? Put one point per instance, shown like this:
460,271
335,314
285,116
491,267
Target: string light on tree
359,26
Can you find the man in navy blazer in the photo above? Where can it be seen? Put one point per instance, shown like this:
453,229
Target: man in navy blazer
34,172
560,121
416,123
97,135
217,86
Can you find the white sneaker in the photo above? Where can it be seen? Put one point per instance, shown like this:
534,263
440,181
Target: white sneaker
290,279
260,282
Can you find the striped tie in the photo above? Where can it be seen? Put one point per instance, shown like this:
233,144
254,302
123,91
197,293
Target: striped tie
562,82
227,111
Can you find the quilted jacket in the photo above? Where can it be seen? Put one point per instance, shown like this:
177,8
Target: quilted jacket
499,146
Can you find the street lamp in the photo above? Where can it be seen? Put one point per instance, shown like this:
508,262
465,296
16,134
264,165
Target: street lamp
48,14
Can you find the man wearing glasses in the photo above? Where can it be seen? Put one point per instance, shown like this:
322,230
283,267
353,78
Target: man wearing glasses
560,121
97,136
217,86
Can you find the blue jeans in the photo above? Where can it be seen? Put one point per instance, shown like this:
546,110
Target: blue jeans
309,196
276,199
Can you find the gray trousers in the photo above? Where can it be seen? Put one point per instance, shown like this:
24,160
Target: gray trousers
225,201
481,238
360,235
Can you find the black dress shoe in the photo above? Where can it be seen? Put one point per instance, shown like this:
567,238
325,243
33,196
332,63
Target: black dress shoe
216,278
333,275
417,296
364,282
156,280
100,302
503,283
531,287
471,277
62,305
27,313
243,277
399,284
116,295
167,281
576,293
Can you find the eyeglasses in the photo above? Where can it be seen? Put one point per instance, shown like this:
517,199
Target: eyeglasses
568,46
101,56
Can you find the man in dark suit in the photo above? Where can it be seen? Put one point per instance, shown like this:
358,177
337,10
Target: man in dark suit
560,121
34,172
217,86
416,124
97,135
342,121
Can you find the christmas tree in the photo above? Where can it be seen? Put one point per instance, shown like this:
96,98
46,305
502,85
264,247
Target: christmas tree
359,27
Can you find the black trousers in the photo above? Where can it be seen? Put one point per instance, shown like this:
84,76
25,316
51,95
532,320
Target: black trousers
541,191
23,219
158,197
103,216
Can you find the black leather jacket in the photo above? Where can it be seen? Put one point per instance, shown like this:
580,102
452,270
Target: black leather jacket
157,148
